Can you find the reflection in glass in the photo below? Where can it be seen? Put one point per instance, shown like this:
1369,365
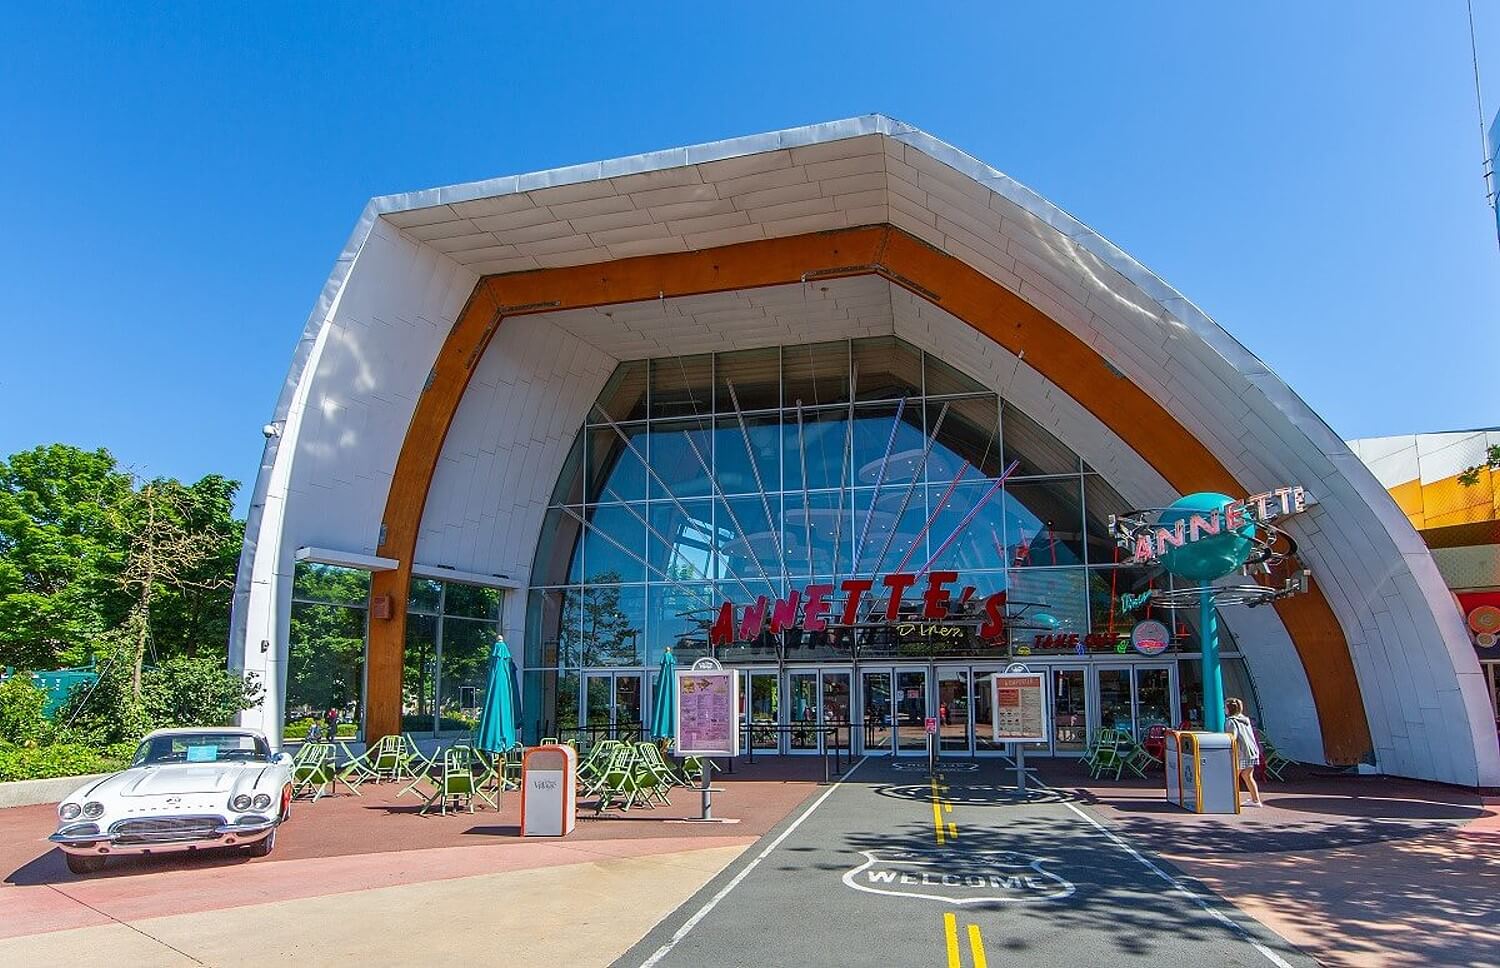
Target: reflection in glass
1069,711
802,698
682,386
836,706
326,647
616,471
1153,698
911,709
765,708
874,427
614,547
814,374
1037,450
678,451
736,462
953,710
875,692
1114,699
820,446
969,431
755,376
613,623
1043,523
419,674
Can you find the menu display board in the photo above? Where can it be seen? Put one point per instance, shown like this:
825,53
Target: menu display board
707,721
1020,707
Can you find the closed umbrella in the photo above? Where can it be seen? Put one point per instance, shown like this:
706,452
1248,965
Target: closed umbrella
664,707
497,723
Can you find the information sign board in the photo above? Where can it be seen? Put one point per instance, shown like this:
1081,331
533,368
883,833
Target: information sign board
1020,707
931,724
707,722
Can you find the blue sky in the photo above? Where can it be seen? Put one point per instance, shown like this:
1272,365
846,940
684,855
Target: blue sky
180,179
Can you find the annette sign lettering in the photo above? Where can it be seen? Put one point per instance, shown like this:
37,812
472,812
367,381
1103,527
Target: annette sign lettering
1150,542
811,608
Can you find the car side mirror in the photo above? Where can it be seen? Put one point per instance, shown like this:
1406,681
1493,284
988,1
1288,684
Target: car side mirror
285,759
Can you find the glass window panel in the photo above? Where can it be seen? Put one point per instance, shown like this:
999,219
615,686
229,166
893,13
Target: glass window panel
674,460
819,446
802,708
628,720
682,386
911,709
969,432
976,545
735,449
616,471
747,542
465,669
1038,451
885,368
559,553
472,601
552,617
680,540
624,396
426,596
953,710
1046,607
765,708
325,662
1110,590
756,376
678,617
816,521
549,705
886,540
615,543
1043,523
314,582
569,488
1069,711
943,379
873,428
1190,690
815,374
419,674
614,622
1100,501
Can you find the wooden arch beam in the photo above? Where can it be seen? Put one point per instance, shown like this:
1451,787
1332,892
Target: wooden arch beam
934,275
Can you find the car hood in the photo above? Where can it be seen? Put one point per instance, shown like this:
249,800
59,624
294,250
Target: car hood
179,779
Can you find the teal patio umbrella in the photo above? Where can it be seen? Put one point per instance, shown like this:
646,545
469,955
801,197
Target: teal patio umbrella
497,722
664,705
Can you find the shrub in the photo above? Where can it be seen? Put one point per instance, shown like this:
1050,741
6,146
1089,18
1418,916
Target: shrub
23,721
196,691
59,759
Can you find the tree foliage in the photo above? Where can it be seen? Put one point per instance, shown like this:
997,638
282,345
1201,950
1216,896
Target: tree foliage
1469,476
84,544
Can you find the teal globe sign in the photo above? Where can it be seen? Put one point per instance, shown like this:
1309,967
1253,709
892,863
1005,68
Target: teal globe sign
1210,549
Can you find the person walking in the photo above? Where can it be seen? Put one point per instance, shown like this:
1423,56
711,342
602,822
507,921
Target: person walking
1239,726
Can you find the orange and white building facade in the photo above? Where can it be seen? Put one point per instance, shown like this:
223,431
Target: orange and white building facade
467,335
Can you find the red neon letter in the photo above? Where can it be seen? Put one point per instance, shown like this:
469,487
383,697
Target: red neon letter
815,608
935,598
753,620
994,621
784,614
898,583
855,587
722,632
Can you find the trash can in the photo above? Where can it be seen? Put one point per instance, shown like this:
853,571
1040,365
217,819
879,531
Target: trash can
1201,774
548,791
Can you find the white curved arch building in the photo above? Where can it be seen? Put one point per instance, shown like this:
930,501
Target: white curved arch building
586,406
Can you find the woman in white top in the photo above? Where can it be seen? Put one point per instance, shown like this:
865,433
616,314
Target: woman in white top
1238,725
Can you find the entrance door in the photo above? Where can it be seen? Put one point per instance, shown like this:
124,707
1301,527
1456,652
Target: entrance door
802,711
1153,698
612,705
835,706
1070,726
817,697
1112,685
875,711
762,704
911,711
954,712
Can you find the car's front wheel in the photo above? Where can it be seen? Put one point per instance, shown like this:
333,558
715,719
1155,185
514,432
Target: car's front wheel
263,846
84,864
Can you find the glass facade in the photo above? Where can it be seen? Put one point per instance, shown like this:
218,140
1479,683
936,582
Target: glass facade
326,650
735,476
450,628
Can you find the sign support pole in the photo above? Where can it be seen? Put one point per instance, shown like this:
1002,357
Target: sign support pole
706,792
1213,674
1020,767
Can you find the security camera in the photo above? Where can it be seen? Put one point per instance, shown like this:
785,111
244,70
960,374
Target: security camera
271,430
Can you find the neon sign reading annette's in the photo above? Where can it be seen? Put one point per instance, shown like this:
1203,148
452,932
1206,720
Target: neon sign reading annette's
1148,542
811,608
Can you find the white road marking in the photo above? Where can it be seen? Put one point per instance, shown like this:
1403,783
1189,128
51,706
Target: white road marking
1180,887
734,882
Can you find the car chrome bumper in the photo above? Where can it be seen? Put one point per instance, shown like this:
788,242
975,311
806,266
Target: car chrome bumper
224,835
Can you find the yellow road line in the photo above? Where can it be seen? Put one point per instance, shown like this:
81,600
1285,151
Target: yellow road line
976,947
950,932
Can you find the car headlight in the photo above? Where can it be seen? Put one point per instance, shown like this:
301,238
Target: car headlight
69,811
93,809
261,801
240,802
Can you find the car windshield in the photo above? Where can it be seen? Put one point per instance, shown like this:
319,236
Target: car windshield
201,748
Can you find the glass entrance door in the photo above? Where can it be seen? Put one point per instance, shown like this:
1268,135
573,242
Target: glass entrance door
763,709
612,705
835,707
1112,685
1134,698
875,711
911,711
1070,725
954,712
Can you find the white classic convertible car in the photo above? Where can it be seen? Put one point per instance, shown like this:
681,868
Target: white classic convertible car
186,789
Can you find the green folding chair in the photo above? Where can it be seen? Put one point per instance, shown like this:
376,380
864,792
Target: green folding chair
455,782
1272,759
313,771
619,784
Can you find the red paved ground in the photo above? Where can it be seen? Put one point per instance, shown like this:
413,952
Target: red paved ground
346,843
1354,870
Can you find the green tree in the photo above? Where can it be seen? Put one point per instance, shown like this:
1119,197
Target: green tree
61,550
1469,476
